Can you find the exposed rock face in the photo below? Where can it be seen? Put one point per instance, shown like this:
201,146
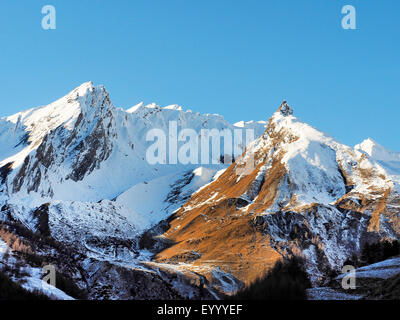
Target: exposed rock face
4,171
109,281
89,143
75,172
285,110
307,195
83,143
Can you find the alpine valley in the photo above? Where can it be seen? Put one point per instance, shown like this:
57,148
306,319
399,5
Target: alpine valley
77,192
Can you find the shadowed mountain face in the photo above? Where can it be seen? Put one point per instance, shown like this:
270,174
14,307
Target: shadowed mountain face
75,172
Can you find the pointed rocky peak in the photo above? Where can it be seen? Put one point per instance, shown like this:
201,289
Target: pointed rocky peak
94,100
84,87
80,91
285,109
86,93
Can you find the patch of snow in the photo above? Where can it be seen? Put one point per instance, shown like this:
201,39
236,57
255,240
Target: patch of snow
3,249
382,270
326,293
34,282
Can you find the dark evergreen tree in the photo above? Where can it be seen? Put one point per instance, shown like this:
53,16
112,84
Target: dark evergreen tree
287,280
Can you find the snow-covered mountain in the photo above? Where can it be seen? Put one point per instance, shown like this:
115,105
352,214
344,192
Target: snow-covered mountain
387,159
83,149
376,151
303,194
82,162
76,171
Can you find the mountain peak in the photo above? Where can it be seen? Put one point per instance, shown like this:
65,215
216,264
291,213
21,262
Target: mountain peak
367,145
285,109
82,89
377,151
87,84
135,107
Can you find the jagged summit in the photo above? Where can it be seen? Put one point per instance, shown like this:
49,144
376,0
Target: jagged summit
285,109
82,148
84,87
300,191
81,164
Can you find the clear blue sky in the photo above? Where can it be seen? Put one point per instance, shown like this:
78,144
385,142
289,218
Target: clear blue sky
236,58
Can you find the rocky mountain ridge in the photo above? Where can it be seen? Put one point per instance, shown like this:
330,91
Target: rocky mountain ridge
75,173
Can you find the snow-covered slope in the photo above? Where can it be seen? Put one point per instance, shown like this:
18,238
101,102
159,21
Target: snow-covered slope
81,148
316,162
302,191
171,192
88,160
376,151
76,170
374,281
29,278
388,160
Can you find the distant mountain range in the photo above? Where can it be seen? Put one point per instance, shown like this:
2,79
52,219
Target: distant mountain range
78,191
